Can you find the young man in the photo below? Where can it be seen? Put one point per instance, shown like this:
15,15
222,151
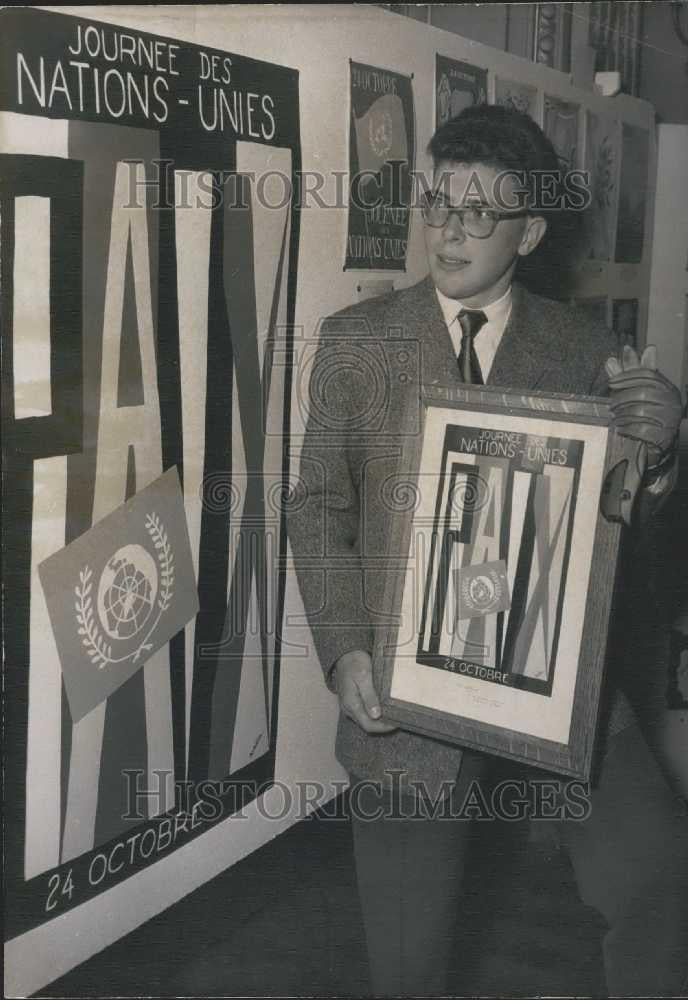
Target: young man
468,321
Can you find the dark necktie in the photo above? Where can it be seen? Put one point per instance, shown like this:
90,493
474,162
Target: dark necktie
471,321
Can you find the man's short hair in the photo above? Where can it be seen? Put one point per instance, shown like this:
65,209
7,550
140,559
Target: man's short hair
497,136
503,138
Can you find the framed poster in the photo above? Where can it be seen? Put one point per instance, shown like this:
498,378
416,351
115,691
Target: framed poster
149,259
381,159
458,85
503,605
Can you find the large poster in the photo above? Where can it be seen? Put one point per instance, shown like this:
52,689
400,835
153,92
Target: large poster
149,252
381,160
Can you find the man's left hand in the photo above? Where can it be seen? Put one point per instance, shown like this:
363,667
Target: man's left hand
647,407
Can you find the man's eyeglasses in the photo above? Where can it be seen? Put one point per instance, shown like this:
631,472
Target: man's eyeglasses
476,221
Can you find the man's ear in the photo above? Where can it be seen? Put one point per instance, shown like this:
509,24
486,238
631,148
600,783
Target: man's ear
536,227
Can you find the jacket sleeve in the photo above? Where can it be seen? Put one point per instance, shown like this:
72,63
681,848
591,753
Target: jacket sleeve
324,525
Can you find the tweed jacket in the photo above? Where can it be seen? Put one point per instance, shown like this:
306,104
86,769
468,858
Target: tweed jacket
364,398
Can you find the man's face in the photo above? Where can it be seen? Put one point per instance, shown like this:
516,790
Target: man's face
478,271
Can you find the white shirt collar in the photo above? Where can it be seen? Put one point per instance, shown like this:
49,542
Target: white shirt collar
487,343
497,312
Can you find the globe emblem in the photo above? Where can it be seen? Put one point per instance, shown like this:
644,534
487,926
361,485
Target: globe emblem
127,591
380,132
482,591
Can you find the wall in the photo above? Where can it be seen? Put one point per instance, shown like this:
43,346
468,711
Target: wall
318,40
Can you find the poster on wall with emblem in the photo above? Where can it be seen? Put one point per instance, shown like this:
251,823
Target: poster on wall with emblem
506,594
381,160
458,85
149,284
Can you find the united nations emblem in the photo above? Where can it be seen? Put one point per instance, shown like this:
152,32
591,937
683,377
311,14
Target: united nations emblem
127,591
380,132
482,593
482,589
119,592
133,593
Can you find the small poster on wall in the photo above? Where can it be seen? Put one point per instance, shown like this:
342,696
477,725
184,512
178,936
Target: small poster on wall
561,128
458,85
630,229
516,95
601,160
381,158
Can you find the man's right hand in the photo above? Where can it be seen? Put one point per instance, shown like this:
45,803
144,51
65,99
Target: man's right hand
357,695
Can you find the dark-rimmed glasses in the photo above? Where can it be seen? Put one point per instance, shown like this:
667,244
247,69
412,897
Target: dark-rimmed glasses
476,220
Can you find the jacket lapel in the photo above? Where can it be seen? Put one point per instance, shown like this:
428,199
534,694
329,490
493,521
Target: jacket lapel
423,319
525,353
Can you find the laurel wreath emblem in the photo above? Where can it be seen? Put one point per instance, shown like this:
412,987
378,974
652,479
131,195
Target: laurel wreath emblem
156,530
97,647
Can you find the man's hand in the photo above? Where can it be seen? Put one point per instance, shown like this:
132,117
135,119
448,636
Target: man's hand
647,407
357,695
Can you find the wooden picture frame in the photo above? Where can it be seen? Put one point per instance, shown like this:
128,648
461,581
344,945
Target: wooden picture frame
506,575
